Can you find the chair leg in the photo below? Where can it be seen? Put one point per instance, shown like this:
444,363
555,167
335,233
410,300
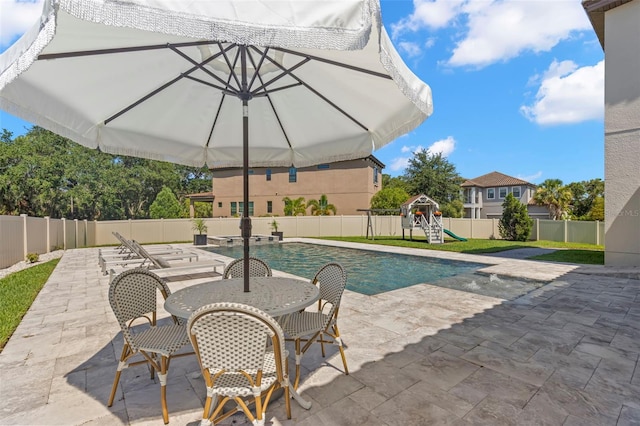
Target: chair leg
162,375
298,360
339,342
116,379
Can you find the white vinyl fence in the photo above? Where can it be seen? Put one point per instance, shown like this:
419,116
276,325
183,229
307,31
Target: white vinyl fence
20,235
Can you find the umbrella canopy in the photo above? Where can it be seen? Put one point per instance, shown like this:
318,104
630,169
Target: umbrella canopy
251,83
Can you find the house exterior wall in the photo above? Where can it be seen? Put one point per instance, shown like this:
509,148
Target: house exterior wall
622,135
489,208
348,185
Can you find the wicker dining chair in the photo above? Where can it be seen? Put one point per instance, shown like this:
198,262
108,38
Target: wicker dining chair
242,356
257,268
317,326
133,298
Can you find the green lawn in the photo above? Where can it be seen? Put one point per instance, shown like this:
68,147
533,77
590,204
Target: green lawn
17,293
568,252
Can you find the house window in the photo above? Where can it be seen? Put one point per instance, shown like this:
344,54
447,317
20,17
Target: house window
234,208
293,175
268,174
241,207
516,191
491,194
375,175
502,192
220,204
269,206
323,166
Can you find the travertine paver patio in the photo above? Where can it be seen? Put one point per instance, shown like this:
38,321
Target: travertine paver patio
565,354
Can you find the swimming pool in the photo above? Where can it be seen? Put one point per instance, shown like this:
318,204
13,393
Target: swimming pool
372,272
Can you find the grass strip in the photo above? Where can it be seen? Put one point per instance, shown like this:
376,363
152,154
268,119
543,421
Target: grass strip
567,252
17,293
589,257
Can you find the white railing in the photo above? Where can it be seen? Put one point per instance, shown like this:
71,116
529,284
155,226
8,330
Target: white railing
20,235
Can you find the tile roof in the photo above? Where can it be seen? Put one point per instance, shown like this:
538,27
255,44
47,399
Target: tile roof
495,179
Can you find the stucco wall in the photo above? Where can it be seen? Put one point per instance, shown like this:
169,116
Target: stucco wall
622,135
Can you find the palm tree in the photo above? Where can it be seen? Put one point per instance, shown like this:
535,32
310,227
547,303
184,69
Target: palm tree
321,207
552,193
295,207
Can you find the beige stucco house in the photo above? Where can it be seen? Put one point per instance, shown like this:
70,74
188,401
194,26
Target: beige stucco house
483,196
348,185
617,24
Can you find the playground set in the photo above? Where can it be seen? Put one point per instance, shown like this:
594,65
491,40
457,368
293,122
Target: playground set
419,212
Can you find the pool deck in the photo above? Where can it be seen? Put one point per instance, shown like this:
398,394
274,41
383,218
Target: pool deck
564,354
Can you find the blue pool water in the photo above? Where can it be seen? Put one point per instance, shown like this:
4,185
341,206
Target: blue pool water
370,272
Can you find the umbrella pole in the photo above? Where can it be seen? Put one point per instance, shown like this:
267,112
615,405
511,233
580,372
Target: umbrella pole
246,220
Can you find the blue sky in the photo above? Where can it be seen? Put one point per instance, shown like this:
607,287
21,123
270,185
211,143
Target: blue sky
518,85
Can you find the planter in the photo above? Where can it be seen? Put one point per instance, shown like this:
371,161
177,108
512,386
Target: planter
200,240
278,234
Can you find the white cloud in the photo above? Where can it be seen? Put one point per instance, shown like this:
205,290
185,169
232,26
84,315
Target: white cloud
497,30
568,94
530,178
501,30
16,17
443,146
411,49
433,14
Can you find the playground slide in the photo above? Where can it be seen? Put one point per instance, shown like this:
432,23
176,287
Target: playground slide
452,235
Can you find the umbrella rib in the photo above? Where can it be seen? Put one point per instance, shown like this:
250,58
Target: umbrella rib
62,55
200,65
314,91
336,63
273,108
285,71
164,86
215,120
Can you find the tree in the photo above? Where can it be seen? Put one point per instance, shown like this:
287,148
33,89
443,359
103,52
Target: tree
321,207
583,196
389,198
394,182
597,210
166,206
434,176
553,194
37,178
515,224
454,208
296,207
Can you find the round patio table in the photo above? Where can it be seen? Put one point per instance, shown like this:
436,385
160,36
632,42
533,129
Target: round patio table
277,296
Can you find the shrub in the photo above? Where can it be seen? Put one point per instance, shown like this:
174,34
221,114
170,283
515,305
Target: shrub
32,257
515,224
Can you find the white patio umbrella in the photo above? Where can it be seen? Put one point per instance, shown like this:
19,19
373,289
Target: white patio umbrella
244,83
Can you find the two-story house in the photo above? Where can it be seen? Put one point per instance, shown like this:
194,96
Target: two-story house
483,196
348,185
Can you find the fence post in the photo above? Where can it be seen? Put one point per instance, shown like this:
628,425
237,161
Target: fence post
597,232
24,236
86,232
537,229
64,233
75,224
48,221
565,230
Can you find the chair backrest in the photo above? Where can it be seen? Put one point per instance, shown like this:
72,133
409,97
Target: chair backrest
257,268
157,261
233,337
133,295
332,280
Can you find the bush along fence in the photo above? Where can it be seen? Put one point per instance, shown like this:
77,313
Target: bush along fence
21,235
